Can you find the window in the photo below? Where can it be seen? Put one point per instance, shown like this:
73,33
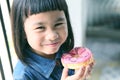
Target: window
7,55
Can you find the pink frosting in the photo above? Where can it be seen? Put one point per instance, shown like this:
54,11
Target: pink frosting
76,55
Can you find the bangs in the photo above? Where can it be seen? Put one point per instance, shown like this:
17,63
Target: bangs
37,6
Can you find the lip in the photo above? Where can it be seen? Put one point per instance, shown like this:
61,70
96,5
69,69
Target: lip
53,44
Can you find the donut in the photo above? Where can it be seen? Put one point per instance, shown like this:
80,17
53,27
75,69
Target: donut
78,56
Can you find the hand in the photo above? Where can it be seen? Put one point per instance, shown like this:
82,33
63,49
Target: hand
80,74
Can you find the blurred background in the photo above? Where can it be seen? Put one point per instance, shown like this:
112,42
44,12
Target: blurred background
96,26
103,37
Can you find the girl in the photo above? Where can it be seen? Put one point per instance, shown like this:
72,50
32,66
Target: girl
42,33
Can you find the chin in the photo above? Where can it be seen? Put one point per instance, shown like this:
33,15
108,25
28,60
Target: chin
52,51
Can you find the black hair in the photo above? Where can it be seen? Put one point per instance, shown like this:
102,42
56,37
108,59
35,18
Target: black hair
21,9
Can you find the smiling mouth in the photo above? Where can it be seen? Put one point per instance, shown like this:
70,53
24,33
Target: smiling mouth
53,44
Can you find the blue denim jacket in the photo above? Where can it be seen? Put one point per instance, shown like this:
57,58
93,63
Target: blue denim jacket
39,68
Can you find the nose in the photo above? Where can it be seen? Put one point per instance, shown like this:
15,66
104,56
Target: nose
52,35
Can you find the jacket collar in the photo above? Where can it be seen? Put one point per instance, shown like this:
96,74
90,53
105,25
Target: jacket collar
43,65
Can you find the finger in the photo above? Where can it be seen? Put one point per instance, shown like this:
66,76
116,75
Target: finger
64,74
80,73
92,64
89,69
88,72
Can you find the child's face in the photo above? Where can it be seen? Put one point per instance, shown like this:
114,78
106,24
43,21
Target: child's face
46,32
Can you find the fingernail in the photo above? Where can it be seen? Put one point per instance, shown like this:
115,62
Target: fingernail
83,68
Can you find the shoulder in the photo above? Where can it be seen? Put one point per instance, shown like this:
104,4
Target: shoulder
24,72
20,73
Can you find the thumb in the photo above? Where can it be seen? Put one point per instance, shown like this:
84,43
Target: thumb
64,74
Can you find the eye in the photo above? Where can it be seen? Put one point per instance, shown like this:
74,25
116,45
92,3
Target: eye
41,28
58,24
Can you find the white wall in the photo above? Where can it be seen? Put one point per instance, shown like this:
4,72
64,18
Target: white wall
75,9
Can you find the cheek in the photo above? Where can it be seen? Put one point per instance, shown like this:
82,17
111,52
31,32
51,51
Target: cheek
34,40
64,33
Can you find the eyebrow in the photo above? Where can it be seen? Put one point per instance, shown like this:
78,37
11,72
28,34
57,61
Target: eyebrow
60,19
38,23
